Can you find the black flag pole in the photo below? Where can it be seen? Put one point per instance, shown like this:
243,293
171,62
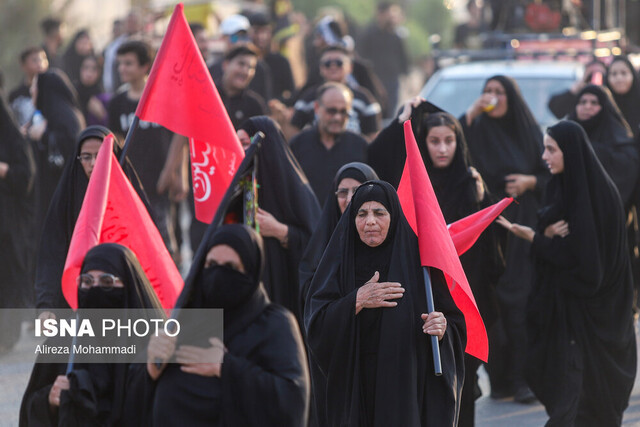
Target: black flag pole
435,346
127,140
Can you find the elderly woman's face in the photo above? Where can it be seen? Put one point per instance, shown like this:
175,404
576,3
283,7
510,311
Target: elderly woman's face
372,223
224,255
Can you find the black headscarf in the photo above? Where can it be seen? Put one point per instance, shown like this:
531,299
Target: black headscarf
408,394
612,141
71,59
505,145
328,220
583,293
285,193
61,219
85,93
629,102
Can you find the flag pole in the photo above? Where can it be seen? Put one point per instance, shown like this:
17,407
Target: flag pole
435,346
127,141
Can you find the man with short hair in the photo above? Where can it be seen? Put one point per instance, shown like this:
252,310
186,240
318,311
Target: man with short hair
365,114
52,29
149,148
322,149
238,69
33,61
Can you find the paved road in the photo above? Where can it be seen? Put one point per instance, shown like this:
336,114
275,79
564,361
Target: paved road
15,368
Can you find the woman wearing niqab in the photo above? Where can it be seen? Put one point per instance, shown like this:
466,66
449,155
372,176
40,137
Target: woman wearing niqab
582,353
610,137
263,379
17,173
61,219
505,143
377,362
96,393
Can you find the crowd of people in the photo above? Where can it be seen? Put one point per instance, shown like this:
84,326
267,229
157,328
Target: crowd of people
325,319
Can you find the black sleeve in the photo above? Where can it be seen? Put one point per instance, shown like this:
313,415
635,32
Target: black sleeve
21,171
562,103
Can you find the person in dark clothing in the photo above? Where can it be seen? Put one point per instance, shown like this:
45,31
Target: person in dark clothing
56,99
505,146
33,61
582,355
238,70
150,147
263,378
52,32
324,148
622,81
365,113
610,137
460,192
94,393
63,214
365,302
17,176
385,48
79,48
288,212
345,183
563,103
282,82
91,96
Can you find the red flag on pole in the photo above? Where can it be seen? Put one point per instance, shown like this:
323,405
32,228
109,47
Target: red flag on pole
180,95
420,206
112,212
466,231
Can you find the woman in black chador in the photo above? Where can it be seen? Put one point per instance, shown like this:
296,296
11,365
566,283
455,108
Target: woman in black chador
63,213
610,137
505,144
582,352
94,393
622,81
17,173
263,378
366,323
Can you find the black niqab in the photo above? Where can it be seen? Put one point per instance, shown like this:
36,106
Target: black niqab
582,359
408,394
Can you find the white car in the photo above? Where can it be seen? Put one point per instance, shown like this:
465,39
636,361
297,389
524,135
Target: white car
456,87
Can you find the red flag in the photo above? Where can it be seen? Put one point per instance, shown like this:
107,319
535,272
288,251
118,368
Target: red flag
422,210
112,212
180,95
466,231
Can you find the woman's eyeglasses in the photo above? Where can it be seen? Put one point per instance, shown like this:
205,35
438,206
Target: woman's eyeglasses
106,281
87,157
343,193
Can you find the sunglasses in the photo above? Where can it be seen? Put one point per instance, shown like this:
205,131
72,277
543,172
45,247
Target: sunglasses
105,281
333,111
329,62
343,193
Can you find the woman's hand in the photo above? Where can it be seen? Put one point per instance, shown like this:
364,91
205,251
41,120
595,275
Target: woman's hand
61,383
560,228
374,294
35,132
407,108
160,348
479,184
4,168
96,107
518,184
271,227
520,231
206,362
480,104
434,324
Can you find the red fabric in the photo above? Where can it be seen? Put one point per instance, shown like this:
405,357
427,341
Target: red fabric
466,231
180,95
421,208
112,212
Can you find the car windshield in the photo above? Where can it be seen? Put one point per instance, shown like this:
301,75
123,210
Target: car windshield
456,95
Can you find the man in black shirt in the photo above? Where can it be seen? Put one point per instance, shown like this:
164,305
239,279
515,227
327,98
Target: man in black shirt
238,69
150,145
322,149
33,61
365,114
